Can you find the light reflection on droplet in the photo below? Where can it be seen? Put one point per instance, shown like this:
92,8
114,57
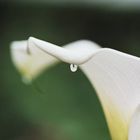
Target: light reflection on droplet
73,67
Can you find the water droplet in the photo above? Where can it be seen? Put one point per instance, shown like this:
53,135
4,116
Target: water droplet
73,67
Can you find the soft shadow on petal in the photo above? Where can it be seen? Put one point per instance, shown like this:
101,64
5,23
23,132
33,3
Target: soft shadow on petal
134,128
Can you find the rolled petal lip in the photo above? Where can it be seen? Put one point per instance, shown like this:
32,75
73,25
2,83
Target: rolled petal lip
75,54
31,56
70,54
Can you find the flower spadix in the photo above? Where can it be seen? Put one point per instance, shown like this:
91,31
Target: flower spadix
114,75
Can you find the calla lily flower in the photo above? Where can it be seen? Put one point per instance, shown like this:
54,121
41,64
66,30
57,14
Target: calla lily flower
115,76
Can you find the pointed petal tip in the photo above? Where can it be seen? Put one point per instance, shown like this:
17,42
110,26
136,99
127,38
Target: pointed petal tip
26,80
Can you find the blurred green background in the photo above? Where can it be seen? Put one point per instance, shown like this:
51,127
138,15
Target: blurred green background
59,105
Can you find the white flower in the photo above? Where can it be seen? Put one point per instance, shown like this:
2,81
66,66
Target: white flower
115,76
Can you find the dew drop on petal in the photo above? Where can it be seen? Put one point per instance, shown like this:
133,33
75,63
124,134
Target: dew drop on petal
73,67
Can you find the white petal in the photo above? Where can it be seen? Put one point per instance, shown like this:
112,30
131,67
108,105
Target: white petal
134,129
114,75
30,65
116,78
33,56
77,52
